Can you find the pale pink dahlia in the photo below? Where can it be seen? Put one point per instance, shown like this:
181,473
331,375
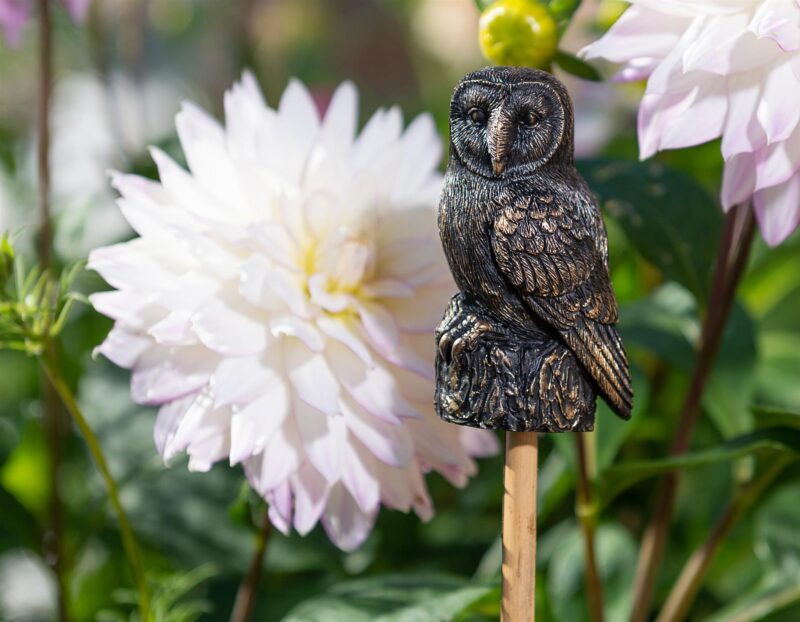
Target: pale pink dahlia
280,302
15,14
728,68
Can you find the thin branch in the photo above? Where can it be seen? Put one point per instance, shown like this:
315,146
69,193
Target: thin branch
43,152
128,538
731,261
694,572
53,420
586,510
248,590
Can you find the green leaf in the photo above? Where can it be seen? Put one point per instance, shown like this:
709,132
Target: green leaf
18,527
617,479
393,598
483,4
669,218
577,66
730,389
772,417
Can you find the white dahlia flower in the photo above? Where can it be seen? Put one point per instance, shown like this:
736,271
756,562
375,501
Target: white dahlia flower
721,68
280,302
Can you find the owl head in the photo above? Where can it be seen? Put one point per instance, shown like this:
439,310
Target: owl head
507,122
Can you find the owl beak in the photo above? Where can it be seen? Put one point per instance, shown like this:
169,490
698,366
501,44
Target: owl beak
498,166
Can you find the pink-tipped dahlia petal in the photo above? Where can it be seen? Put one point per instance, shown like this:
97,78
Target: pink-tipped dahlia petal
14,16
77,8
728,69
280,302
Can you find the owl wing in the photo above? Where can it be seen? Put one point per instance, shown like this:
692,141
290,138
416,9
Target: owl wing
553,256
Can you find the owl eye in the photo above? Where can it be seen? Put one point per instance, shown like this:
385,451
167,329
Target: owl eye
477,115
530,118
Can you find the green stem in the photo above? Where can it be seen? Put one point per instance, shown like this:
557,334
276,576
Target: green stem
694,572
248,590
768,604
586,508
128,538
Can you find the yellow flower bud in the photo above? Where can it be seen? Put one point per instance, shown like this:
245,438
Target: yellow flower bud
518,32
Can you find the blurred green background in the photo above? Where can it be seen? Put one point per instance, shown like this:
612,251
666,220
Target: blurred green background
120,79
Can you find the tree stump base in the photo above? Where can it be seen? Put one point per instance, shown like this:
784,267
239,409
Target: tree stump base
492,376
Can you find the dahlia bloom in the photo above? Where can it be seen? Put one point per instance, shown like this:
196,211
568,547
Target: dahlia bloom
15,15
280,302
721,68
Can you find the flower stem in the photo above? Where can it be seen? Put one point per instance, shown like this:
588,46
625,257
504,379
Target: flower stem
128,538
43,151
246,596
586,510
694,572
53,419
732,255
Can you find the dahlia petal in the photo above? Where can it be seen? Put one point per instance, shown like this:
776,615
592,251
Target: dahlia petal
310,496
161,376
379,326
422,313
254,425
779,21
318,286
123,347
778,114
396,485
299,123
138,264
323,438
133,310
272,288
743,132
312,378
200,423
359,479
276,243
709,108
280,506
738,180
342,332
142,205
174,329
778,162
713,48
778,210
339,125
391,444
280,458
14,16
204,453
373,387
228,331
388,288
242,379
203,139
169,416
422,154
383,129
479,443
422,504
345,523
291,326
182,188
77,8
638,32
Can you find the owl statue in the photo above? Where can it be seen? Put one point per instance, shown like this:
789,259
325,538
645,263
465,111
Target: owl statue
529,342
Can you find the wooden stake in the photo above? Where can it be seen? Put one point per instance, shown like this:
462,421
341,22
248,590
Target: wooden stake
519,527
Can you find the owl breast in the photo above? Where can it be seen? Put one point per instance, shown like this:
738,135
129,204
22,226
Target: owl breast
465,220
